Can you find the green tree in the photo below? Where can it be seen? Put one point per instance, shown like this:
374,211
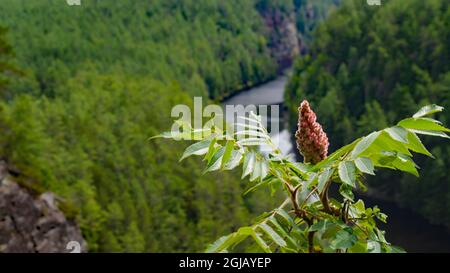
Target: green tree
309,220
395,57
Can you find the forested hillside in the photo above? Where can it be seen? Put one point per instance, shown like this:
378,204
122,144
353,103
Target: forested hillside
215,46
310,13
96,81
371,65
88,85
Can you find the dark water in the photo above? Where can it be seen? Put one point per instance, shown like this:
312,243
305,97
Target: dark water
405,228
411,231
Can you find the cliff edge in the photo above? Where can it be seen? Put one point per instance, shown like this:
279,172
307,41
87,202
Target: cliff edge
31,223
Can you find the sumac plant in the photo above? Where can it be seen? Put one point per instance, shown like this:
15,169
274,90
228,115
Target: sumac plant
309,220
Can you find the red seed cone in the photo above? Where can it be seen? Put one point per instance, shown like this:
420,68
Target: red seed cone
312,142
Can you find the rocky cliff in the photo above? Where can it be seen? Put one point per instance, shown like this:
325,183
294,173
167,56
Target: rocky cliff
284,39
33,223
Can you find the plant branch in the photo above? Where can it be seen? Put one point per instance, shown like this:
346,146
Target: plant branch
326,202
311,241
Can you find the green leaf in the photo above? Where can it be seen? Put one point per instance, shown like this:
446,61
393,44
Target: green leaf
289,240
386,143
163,135
300,168
422,124
415,144
323,178
216,161
199,134
185,134
261,242
285,216
430,133
249,163
260,170
343,240
359,206
259,184
373,247
346,170
382,217
346,191
380,235
246,231
199,148
362,185
264,169
385,159
321,225
357,209
256,170
312,181
406,164
228,152
228,241
234,161
358,247
272,234
220,244
262,217
365,165
174,135
395,249
212,149
252,142
398,133
364,143
428,110
334,156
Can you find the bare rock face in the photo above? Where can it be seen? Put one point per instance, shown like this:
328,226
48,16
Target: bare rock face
284,39
33,224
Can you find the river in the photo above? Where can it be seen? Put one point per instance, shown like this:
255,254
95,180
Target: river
405,228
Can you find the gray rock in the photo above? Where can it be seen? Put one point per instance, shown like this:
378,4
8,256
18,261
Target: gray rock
33,224
284,39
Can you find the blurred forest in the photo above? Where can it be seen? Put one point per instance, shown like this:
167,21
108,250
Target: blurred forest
310,14
84,87
370,66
